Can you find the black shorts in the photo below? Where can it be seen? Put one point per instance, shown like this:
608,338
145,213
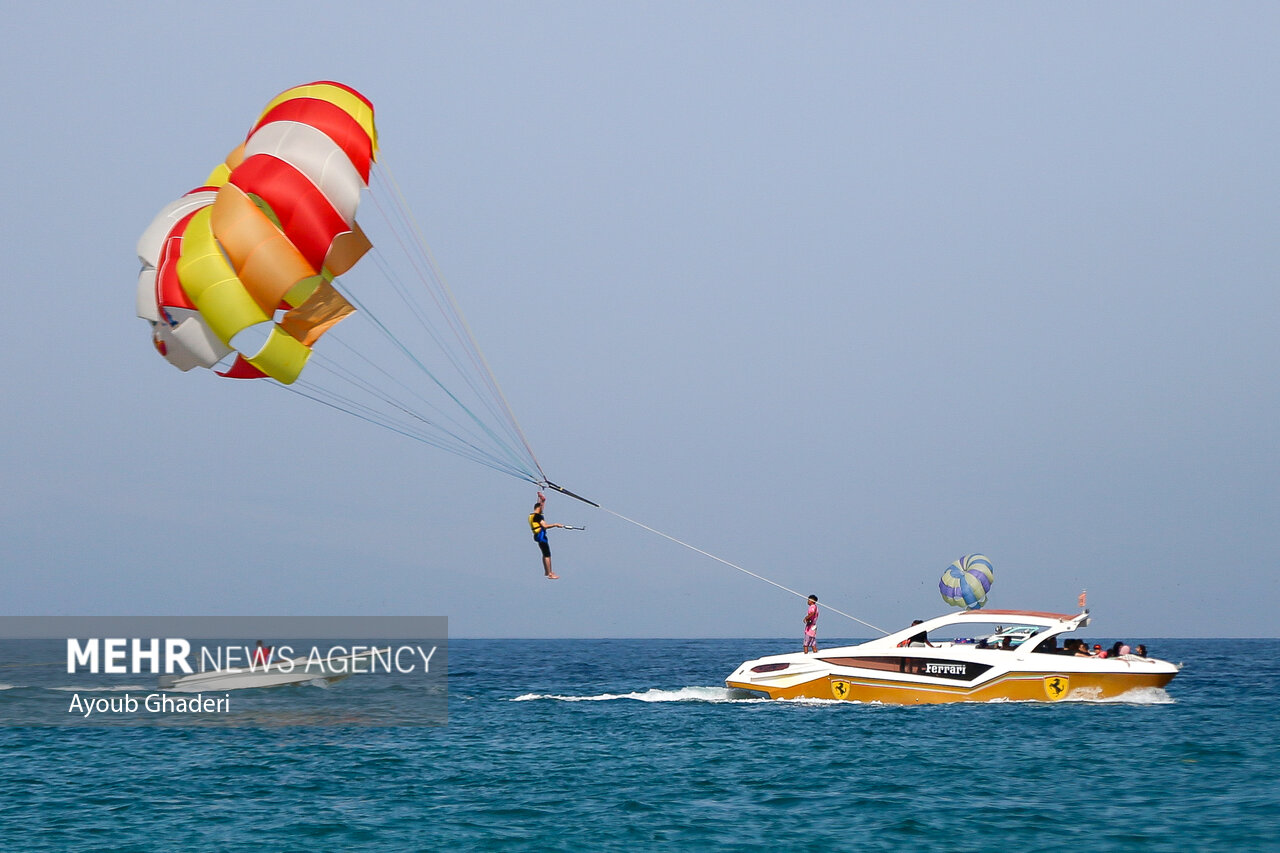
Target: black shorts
544,547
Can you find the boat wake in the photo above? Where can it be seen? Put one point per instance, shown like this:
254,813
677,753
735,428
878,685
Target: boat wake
1138,696
718,695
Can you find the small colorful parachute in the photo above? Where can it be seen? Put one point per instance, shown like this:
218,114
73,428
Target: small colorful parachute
967,581
245,264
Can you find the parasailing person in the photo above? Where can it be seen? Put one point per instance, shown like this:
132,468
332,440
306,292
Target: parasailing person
539,526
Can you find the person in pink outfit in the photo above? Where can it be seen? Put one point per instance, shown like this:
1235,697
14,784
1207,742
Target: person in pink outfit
811,626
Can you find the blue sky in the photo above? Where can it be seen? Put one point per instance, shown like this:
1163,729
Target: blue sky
836,291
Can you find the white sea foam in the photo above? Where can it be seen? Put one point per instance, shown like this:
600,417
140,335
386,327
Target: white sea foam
1137,696
117,688
6,686
684,694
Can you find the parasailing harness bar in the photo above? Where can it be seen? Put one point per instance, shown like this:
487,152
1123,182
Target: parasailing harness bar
562,490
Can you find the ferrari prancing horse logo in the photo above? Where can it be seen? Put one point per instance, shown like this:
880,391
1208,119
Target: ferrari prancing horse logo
1056,686
840,689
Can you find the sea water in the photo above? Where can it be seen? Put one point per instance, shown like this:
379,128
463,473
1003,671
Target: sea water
635,744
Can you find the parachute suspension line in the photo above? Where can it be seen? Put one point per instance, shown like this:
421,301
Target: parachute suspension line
365,413
460,446
443,421
355,353
737,567
399,345
429,272
512,440
469,373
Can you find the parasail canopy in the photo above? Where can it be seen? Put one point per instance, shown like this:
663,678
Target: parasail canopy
258,274
245,264
966,582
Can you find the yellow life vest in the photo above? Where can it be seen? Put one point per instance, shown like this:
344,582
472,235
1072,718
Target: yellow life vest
538,527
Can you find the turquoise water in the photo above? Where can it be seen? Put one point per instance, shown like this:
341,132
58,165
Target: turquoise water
635,744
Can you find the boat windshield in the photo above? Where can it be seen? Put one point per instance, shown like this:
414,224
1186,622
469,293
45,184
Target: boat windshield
993,635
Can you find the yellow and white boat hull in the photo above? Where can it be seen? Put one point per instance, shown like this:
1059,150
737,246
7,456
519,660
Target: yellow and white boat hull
896,670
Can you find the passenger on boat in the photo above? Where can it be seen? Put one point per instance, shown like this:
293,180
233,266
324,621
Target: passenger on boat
1142,650
1115,650
1049,646
262,654
921,639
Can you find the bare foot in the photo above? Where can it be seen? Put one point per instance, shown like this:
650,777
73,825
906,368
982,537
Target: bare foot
553,577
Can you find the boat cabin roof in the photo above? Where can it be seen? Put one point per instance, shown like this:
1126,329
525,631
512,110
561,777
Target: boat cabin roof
1039,618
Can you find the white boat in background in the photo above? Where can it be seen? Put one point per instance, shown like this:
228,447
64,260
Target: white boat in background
970,656
289,671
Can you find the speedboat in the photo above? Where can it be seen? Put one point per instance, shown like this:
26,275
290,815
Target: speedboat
325,670
968,656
